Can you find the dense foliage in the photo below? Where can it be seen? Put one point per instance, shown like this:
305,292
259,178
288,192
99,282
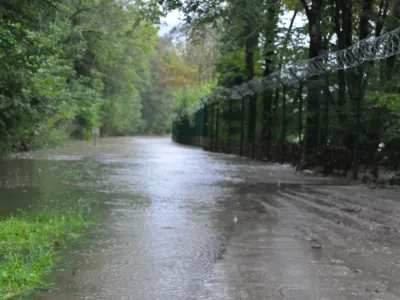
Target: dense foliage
68,66
356,109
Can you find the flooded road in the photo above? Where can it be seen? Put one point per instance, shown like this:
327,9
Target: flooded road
181,223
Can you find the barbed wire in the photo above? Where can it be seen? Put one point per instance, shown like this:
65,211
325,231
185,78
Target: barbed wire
370,49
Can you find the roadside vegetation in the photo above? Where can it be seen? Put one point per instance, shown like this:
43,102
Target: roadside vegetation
69,66
339,121
29,245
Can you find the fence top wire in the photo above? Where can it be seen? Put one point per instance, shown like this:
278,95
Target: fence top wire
370,49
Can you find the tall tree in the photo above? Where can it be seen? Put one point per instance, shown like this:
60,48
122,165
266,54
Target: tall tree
314,16
344,32
270,36
393,22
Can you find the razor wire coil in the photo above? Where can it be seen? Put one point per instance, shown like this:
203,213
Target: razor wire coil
370,49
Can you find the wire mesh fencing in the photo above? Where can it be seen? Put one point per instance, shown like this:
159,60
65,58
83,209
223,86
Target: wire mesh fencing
339,110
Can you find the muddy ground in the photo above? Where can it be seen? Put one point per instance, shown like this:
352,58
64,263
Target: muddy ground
181,223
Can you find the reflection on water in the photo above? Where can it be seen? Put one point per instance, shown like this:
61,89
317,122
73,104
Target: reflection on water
166,212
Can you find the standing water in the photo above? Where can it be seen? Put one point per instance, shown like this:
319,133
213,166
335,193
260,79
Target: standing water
180,223
163,217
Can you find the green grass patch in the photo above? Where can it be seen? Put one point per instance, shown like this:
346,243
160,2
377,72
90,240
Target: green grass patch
29,244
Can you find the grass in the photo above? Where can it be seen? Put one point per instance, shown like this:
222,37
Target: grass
29,244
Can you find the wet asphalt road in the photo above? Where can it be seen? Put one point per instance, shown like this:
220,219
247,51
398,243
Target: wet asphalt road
181,223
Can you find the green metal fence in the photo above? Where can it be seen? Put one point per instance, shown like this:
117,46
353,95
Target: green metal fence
310,120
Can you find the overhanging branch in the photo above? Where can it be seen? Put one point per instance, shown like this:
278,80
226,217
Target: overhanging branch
306,8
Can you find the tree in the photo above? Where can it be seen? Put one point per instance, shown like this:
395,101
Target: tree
393,22
71,66
314,16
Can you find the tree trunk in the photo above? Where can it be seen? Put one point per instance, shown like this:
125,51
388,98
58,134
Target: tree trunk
344,31
314,15
340,45
357,86
270,37
365,17
250,48
355,78
343,13
392,24
382,13
381,23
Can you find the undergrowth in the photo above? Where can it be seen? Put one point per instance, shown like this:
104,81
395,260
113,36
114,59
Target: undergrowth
29,244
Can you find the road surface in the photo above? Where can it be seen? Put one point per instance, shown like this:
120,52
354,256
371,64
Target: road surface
178,223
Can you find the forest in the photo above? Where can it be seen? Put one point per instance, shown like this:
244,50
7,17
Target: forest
310,86
339,119
68,66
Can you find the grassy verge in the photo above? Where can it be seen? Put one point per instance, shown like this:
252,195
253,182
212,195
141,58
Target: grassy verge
29,243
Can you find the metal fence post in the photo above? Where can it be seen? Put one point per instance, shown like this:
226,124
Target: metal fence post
253,150
242,129
229,125
300,128
361,92
217,126
283,123
205,121
211,144
241,125
254,125
300,98
269,137
326,127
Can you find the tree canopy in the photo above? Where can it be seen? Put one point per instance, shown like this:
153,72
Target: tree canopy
258,37
68,66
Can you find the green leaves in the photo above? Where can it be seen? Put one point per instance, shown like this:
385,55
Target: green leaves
28,245
187,97
83,65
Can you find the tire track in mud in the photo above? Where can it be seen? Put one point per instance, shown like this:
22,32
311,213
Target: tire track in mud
349,262
358,218
255,261
383,211
360,199
353,245
385,221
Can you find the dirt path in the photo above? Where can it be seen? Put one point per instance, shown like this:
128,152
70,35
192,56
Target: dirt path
314,242
180,223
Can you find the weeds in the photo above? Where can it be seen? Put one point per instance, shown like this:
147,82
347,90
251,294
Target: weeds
28,245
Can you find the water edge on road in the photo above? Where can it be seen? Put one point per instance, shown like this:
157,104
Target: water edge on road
168,232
